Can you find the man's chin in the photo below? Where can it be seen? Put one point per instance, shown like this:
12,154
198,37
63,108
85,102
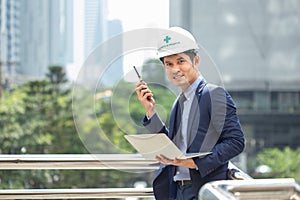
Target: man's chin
180,83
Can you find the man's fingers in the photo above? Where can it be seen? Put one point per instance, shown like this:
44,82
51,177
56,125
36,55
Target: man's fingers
144,92
140,83
163,159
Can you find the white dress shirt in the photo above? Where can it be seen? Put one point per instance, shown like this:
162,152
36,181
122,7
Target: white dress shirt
182,173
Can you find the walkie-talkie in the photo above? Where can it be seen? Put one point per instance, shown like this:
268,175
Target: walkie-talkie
140,78
137,73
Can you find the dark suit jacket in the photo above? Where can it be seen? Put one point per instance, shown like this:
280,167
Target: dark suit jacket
213,126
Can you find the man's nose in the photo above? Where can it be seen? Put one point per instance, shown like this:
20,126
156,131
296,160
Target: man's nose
175,68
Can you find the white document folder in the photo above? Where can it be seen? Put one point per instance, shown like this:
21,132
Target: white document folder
151,145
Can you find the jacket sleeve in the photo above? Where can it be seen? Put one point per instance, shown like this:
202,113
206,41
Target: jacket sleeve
225,123
155,124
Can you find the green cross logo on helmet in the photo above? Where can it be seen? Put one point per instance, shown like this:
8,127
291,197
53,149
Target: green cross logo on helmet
167,39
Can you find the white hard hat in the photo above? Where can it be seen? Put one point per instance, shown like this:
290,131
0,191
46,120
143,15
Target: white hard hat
175,40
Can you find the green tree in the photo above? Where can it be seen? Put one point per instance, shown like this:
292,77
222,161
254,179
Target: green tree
12,110
38,118
60,116
153,72
57,77
22,132
284,163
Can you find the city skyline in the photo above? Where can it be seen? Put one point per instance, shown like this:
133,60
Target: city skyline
61,33
270,52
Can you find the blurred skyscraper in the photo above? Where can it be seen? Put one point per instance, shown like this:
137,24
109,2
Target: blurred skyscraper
97,30
256,47
249,40
46,35
95,24
37,34
9,39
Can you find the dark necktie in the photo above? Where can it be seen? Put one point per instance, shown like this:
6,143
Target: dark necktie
178,139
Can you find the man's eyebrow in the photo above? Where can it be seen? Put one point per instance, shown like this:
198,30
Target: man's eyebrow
180,58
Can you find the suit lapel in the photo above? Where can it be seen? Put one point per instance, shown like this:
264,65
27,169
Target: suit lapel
192,118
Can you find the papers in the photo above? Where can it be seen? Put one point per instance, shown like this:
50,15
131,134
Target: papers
151,145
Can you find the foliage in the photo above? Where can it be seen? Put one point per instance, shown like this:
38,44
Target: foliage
153,72
57,77
12,109
284,163
37,117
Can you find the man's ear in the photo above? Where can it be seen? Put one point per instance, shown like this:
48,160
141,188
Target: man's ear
196,60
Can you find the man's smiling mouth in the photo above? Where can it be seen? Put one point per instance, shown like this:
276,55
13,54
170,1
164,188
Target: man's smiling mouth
178,76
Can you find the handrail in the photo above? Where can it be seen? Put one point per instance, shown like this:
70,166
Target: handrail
76,161
244,188
253,189
237,174
95,193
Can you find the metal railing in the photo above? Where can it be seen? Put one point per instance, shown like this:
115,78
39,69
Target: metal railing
91,193
243,188
251,189
76,161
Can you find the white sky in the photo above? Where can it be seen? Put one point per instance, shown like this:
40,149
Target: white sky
134,14
140,13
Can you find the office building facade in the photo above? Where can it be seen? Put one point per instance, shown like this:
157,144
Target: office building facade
37,34
9,39
98,30
255,45
46,35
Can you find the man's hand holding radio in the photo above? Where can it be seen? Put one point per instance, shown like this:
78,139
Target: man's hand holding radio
145,96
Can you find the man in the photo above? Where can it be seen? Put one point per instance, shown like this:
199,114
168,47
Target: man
203,118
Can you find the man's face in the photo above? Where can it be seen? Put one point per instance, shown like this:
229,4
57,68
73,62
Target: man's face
181,70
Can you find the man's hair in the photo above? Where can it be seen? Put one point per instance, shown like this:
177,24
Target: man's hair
191,53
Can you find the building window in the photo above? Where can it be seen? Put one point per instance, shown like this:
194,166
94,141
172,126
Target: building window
243,99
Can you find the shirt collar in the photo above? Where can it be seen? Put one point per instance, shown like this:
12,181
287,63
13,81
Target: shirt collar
190,91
